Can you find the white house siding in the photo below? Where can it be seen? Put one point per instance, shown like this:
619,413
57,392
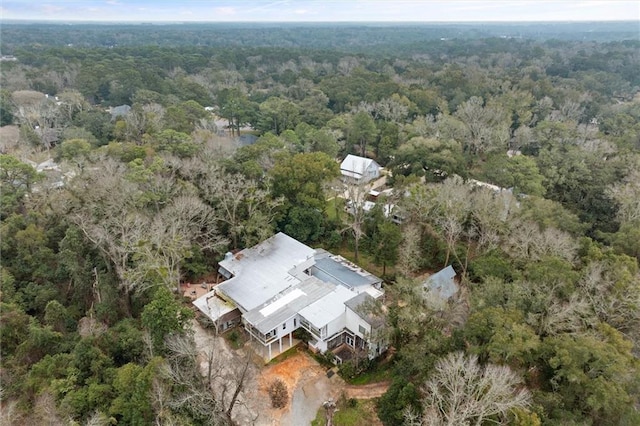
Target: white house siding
336,326
354,322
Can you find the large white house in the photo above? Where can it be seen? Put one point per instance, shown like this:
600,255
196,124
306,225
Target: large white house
357,170
281,285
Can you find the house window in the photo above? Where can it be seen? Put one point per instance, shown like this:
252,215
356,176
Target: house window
284,326
295,323
362,330
349,341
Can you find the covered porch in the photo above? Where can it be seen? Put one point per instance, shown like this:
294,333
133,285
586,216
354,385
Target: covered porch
268,349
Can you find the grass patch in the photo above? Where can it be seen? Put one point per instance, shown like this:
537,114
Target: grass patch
379,373
332,205
351,412
374,376
235,338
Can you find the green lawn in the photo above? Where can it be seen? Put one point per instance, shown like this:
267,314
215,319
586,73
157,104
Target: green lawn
331,208
350,413
379,373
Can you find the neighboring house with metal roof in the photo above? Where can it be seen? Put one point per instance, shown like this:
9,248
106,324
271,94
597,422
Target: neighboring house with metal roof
119,111
359,169
442,283
281,285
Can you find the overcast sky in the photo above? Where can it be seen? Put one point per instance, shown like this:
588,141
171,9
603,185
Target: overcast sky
321,10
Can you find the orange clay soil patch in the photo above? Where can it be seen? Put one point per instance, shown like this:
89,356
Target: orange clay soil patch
289,371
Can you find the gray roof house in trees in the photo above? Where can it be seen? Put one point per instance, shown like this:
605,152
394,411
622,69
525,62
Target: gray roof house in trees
442,283
119,111
359,169
281,285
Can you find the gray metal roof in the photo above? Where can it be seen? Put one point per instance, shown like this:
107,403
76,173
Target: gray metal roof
275,312
355,166
442,283
358,305
263,271
212,306
328,308
337,270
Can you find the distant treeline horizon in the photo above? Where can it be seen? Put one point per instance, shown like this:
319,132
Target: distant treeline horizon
346,36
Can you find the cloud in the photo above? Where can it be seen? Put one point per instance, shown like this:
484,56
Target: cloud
269,6
51,9
225,11
323,10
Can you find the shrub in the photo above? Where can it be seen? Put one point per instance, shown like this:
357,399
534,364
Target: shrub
402,395
278,394
302,334
354,367
234,336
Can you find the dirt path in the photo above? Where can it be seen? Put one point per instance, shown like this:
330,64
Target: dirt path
308,387
372,390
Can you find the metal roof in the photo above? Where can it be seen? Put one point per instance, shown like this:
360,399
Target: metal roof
212,306
355,166
339,271
328,308
263,271
275,312
358,303
442,283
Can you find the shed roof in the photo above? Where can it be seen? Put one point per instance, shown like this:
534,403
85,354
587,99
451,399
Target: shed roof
213,306
355,166
120,110
263,271
442,283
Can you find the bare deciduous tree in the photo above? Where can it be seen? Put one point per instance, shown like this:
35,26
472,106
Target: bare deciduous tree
452,209
627,195
559,316
356,198
104,208
613,293
527,241
490,212
462,392
409,250
189,389
242,205
487,126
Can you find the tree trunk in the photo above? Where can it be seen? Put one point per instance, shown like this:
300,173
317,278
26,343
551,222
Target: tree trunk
356,251
239,387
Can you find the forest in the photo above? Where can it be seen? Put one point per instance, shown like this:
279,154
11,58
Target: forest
133,157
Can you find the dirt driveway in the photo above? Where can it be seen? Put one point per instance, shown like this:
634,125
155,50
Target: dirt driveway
308,387
306,381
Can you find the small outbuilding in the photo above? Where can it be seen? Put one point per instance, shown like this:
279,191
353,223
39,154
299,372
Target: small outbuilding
358,170
442,283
